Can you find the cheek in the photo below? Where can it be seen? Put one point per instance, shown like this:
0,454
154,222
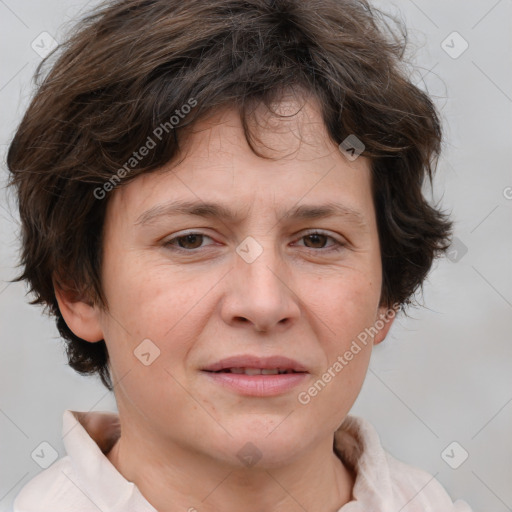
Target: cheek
345,309
346,305
150,327
140,291
153,302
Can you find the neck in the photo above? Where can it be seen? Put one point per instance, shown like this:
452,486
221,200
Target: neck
175,479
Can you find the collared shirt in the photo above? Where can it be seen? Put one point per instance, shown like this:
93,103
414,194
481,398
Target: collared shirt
86,481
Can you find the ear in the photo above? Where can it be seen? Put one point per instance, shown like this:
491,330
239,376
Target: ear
79,313
383,322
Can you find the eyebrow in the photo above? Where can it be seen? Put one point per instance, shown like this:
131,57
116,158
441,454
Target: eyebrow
217,210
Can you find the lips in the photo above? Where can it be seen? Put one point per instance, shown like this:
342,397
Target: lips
257,376
258,371
254,365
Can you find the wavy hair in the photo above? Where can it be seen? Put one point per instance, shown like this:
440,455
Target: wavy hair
130,65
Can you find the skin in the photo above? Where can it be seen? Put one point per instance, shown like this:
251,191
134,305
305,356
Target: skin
298,298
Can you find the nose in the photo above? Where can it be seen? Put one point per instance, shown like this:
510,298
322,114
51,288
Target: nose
260,293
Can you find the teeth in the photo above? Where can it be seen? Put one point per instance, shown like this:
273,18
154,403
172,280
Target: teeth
252,371
258,371
236,370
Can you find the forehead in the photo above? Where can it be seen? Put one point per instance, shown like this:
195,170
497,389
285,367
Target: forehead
216,165
289,129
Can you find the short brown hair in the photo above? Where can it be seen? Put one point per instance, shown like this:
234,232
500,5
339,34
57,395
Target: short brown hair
133,64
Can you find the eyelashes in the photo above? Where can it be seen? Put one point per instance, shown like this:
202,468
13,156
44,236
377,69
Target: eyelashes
195,238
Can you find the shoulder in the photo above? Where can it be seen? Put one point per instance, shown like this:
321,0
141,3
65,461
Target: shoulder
53,490
419,491
384,482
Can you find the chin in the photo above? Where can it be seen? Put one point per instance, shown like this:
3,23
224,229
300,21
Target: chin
263,444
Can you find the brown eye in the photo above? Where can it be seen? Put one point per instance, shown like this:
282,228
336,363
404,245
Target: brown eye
317,239
187,242
192,241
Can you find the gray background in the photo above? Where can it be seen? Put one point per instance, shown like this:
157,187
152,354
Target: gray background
441,376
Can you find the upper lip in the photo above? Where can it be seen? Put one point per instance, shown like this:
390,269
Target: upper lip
249,361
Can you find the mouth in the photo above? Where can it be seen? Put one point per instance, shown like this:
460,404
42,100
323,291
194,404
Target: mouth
255,365
255,376
257,371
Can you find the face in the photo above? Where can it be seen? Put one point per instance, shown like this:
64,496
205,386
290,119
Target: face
275,284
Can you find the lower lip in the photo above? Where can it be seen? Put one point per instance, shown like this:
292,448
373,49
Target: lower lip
257,385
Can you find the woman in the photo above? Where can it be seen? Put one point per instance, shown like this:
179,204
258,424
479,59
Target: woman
221,205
